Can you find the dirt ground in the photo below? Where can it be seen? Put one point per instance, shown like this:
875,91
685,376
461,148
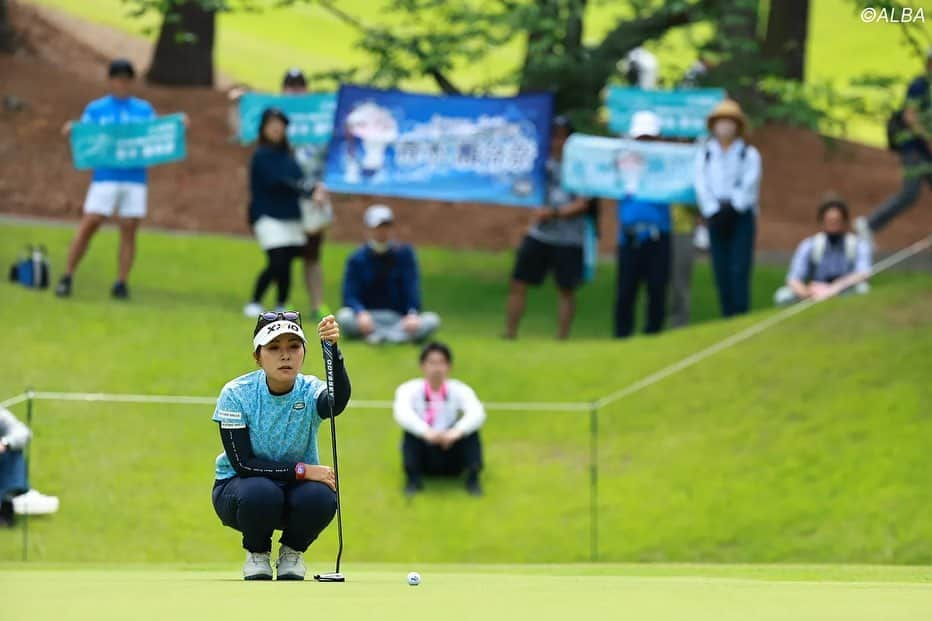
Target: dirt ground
61,69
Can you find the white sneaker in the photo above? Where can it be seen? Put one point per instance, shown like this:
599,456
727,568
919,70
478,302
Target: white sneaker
290,565
34,503
253,310
258,566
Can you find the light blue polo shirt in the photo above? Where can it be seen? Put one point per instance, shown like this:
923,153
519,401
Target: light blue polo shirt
112,110
281,428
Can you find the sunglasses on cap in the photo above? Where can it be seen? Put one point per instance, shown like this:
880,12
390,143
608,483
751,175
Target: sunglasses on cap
269,317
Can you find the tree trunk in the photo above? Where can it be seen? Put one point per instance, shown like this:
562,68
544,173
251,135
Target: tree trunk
541,42
184,53
742,64
787,31
7,35
574,27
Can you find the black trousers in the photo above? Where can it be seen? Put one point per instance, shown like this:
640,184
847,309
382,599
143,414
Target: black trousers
278,270
642,261
256,506
732,262
422,458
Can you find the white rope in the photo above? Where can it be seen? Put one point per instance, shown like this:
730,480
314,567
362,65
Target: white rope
14,400
191,400
637,386
752,331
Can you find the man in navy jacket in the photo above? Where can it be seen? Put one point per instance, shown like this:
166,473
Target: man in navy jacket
381,288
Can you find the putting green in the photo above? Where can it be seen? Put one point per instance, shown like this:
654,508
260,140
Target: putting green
379,592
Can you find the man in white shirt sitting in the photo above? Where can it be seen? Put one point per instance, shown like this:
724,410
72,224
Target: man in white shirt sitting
441,418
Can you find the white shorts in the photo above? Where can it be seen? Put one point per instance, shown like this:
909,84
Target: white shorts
126,200
272,233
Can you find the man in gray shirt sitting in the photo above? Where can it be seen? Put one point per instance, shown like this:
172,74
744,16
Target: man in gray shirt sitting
829,262
554,243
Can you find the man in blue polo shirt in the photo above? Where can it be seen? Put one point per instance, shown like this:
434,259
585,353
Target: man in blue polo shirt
382,288
117,192
643,247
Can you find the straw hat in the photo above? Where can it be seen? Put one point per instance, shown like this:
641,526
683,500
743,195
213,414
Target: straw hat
729,109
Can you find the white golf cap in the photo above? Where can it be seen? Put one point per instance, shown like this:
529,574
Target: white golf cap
644,123
377,215
270,332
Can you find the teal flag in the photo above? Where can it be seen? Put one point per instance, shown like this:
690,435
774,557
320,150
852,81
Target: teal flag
139,144
682,112
310,116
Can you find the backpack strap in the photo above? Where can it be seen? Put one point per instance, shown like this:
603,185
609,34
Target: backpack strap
819,244
851,248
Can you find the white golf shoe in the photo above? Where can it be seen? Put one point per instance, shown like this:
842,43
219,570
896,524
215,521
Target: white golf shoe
34,503
290,565
258,566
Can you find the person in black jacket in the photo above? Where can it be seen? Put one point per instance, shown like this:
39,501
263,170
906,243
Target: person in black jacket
276,183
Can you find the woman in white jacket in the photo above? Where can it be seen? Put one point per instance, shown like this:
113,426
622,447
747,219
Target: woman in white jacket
441,418
727,180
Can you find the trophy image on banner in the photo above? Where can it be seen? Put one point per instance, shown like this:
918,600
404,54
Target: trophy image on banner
370,130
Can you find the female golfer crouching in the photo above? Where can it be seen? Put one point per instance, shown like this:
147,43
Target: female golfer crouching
268,476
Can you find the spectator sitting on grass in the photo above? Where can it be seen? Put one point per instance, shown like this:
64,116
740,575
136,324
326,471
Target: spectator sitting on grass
381,288
441,418
830,261
15,494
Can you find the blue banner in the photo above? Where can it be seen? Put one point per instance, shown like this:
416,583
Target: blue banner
451,148
682,112
129,145
310,116
613,168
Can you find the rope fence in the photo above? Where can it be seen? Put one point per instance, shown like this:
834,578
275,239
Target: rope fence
593,408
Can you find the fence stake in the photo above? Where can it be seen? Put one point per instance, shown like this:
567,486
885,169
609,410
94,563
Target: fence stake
27,459
594,483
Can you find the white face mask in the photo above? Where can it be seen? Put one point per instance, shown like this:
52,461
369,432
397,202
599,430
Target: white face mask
379,247
725,129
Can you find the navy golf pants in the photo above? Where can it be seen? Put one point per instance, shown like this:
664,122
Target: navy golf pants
420,458
256,506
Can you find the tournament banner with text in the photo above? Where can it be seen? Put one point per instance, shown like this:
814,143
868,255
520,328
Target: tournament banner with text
616,167
682,112
450,147
130,145
310,116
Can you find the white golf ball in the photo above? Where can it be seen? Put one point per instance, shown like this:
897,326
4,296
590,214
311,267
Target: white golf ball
414,578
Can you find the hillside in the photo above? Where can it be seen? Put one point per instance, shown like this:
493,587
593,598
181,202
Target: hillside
811,439
208,192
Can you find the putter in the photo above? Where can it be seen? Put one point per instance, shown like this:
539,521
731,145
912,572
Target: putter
336,576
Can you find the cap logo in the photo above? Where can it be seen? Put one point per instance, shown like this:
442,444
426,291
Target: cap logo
278,326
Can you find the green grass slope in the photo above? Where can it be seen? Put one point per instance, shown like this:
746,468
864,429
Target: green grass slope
255,48
807,443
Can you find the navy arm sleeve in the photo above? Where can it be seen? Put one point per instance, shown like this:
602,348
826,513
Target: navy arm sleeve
277,172
412,281
341,388
352,284
238,448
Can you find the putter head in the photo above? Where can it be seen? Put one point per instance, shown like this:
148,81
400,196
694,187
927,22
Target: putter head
332,577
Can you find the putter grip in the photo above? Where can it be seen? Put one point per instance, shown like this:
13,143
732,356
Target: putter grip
327,348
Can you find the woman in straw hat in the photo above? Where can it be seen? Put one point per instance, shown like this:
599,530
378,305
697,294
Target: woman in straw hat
728,173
